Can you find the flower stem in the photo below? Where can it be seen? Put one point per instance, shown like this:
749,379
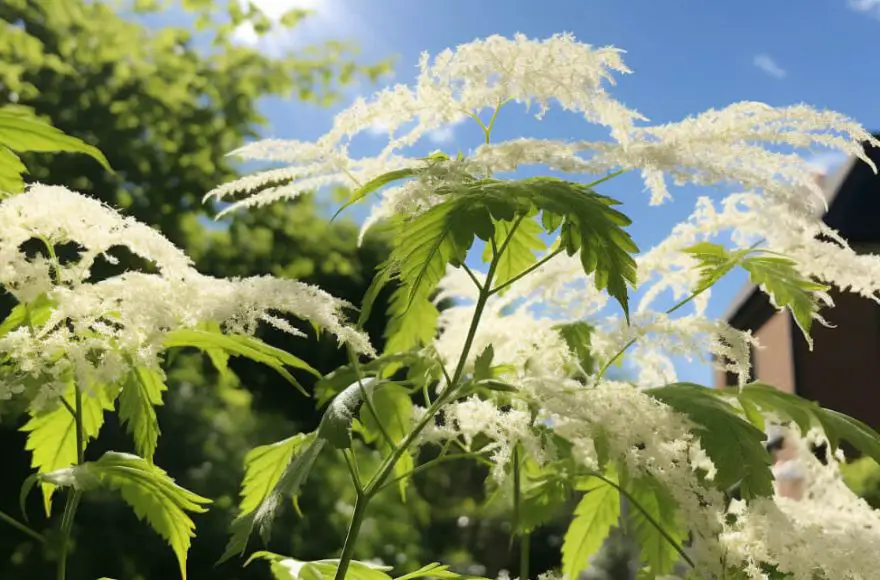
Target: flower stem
632,500
74,495
21,527
632,341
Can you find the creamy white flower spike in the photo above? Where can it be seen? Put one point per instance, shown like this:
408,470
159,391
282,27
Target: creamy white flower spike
457,84
99,329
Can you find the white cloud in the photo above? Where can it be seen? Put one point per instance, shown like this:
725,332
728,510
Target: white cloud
769,66
442,136
826,163
871,7
330,19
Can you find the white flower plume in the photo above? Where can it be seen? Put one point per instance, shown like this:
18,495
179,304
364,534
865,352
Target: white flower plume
102,327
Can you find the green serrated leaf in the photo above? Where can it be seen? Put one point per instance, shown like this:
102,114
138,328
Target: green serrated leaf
11,171
142,392
241,345
577,336
153,496
787,288
432,240
411,324
714,261
545,491
595,516
394,408
434,570
483,364
838,426
735,446
771,399
284,568
373,185
267,481
519,253
590,224
20,132
52,435
656,550
264,466
35,314
807,414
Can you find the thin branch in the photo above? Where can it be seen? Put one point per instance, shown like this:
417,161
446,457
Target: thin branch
353,470
22,527
368,401
648,517
528,270
472,276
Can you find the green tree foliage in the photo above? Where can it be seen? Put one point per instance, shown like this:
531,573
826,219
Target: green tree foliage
166,106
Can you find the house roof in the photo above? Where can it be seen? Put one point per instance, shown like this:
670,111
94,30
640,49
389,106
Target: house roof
850,212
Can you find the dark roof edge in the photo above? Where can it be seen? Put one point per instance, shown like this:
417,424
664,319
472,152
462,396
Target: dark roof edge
831,186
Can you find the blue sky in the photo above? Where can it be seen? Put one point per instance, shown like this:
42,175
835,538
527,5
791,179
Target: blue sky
687,56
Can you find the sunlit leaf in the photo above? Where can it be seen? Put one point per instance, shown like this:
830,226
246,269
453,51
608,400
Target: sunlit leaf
153,496
142,392
595,516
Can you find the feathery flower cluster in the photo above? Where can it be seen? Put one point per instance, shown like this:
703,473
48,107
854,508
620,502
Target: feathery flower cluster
97,330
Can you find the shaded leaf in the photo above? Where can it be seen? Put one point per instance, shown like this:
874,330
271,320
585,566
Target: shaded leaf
577,336
653,498
241,345
395,414
735,446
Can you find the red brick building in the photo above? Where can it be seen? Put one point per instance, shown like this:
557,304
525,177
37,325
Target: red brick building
843,370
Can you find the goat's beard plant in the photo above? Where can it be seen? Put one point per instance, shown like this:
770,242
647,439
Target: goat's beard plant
515,373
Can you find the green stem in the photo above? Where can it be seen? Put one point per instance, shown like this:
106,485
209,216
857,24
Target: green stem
524,547
367,399
473,277
354,527
631,342
378,481
353,470
74,495
21,527
528,270
632,500
517,509
53,257
425,466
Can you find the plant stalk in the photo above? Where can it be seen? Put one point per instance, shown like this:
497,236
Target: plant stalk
4,517
74,495
354,527
377,482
